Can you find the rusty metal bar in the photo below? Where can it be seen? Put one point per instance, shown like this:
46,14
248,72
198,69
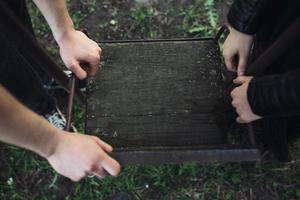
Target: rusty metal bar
220,32
70,102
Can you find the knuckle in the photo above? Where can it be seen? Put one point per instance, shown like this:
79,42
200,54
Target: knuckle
89,167
232,93
243,117
238,79
233,103
94,138
72,65
97,57
94,57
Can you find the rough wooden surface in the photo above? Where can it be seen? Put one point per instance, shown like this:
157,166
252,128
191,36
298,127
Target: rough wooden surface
156,94
179,156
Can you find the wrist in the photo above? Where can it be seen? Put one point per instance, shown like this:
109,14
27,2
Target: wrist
50,145
61,34
234,31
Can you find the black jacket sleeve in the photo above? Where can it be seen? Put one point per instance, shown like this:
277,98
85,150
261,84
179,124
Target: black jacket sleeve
275,95
246,15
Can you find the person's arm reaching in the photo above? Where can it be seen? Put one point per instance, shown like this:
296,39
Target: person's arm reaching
76,49
268,96
244,18
236,50
70,154
275,95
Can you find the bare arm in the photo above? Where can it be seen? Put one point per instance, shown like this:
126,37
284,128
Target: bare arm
56,14
70,154
21,127
76,49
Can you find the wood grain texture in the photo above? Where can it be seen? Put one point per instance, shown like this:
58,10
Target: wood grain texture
179,156
156,94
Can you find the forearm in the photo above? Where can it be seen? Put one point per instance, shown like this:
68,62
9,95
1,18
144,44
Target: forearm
21,127
56,14
277,95
75,47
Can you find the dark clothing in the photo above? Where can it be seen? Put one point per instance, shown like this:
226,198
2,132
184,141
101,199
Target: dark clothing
17,75
276,95
246,16
18,7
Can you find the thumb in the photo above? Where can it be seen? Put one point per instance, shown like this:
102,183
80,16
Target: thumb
240,80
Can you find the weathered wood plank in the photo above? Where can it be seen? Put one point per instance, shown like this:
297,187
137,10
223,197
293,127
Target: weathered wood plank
156,94
176,157
160,130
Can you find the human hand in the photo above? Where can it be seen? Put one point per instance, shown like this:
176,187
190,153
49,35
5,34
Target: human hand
236,51
240,100
78,52
77,156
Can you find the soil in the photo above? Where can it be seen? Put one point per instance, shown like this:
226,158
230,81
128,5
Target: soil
115,20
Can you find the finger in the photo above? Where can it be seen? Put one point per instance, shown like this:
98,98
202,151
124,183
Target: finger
77,70
241,80
229,61
241,66
111,166
238,111
94,64
94,69
232,93
106,147
240,121
100,173
233,103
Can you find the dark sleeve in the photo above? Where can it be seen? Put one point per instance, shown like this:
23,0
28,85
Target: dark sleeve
276,95
246,15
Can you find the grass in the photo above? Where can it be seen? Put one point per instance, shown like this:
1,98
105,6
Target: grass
24,175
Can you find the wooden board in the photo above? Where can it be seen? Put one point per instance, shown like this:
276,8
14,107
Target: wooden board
155,102
156,94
